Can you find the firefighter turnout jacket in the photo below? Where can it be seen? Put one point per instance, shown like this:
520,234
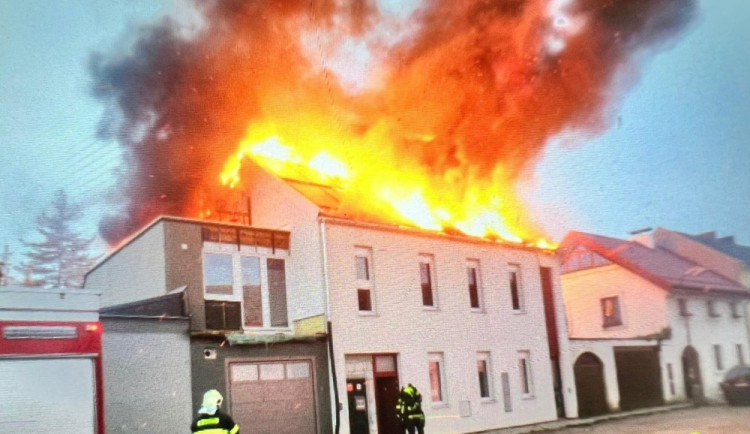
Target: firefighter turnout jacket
409,406
217,423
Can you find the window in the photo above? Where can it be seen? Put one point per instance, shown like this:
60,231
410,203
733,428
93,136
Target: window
524,370
363,265
670,377
711,308
427,279
735,311
740,355
437,377
717,356
611,312
484,374
251,291
515,287
472,272
219,273
682,306
581,258
277,292
223,315
243,289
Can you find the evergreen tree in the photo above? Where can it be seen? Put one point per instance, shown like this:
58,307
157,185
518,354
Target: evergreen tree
62,257
5,278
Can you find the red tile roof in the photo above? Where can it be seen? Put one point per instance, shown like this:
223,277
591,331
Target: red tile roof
658,265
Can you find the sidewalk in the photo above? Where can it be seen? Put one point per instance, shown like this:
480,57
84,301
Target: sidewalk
568,423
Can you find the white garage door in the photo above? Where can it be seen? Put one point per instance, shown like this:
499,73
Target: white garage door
47,396
274,397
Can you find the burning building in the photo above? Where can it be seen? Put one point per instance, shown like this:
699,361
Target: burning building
391,178
305,298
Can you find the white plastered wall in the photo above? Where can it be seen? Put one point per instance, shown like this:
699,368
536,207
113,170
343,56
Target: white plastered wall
401,325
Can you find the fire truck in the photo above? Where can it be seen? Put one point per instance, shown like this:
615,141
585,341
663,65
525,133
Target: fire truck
50,361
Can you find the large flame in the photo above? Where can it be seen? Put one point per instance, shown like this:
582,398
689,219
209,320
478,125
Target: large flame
426,118
394,190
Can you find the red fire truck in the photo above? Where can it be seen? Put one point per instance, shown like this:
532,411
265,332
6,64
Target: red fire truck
50,361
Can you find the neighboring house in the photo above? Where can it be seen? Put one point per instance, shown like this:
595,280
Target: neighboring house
647,325
250,334
478,326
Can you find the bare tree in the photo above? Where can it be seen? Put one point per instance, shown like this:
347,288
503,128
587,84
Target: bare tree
63,256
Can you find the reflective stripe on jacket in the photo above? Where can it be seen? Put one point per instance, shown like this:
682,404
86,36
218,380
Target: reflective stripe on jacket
217,423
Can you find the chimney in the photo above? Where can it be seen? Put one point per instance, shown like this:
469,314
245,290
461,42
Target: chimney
643,237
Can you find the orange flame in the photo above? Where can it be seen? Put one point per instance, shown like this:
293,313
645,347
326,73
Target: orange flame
397,191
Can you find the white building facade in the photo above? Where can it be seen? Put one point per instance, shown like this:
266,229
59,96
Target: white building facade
461,318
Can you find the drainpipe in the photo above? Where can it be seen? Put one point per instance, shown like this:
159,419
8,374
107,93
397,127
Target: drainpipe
324,248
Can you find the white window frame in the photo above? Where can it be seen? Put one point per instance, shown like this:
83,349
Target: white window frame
617,306
429,259
486,357
439,358
516,268
525,372
711,309
718,358
474,264
368,284
237,296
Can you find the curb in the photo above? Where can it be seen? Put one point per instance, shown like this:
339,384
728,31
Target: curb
562,424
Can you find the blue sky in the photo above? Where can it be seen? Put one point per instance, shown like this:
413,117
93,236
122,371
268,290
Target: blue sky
676,156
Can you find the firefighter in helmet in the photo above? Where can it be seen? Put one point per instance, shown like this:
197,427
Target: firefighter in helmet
211,419
409,409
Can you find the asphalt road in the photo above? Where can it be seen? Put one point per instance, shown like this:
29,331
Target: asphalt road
715,419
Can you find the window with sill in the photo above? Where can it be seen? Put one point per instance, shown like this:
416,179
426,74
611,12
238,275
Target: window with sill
735,311
243,289
437,378
611,315
524,370
514,282
682,307
475,290
427,280
717,358
364,281
711,308
484,371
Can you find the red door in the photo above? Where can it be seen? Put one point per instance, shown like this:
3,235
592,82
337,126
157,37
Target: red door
385,372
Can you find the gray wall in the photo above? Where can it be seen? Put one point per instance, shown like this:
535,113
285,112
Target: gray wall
133,273
147,384
184,266
211,374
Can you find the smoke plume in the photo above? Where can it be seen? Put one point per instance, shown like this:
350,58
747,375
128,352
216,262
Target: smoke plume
467,91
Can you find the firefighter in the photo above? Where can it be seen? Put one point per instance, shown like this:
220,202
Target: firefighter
409,409
211,419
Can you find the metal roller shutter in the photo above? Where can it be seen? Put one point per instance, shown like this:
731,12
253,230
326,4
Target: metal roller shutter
47,396
273,397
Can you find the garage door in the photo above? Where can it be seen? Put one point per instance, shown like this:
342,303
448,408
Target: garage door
638,377
47,396
273,397
589,376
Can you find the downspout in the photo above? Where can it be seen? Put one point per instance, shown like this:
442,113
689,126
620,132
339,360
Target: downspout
326,283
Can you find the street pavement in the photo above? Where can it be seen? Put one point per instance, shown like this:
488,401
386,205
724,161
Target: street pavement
674,419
